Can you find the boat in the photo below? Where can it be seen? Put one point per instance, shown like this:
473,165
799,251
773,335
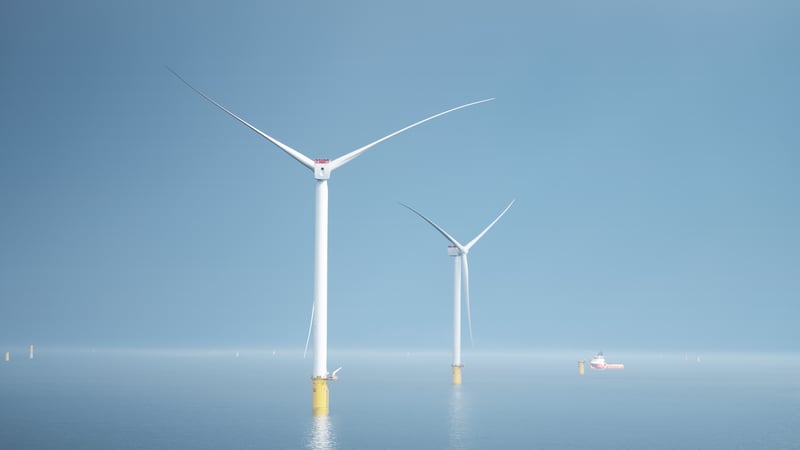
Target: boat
599,363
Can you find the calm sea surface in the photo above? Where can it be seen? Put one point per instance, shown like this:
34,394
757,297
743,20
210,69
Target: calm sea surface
261,400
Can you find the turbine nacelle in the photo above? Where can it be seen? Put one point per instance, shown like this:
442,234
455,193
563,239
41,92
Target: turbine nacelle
452,250
322,169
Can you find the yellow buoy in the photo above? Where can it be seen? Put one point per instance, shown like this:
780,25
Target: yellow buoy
319,396
457,374
581,367
8,356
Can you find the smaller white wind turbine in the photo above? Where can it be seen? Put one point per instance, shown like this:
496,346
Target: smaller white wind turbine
460,252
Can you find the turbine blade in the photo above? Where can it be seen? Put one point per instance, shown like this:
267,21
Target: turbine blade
472,242
444,233
301,158
310,325
465,269
344,159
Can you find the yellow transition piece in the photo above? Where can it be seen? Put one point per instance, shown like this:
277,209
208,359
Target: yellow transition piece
457,374
319,396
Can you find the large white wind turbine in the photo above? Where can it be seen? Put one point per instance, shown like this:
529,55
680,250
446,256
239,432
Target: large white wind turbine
322,169
461,266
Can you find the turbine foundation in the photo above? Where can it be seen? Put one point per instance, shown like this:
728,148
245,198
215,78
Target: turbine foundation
457,374
320,396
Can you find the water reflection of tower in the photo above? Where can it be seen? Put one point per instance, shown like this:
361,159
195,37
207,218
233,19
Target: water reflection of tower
322,436
458,438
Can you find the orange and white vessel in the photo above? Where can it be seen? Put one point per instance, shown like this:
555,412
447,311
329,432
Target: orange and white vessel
599,363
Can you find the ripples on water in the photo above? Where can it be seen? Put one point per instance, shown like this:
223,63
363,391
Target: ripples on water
321,435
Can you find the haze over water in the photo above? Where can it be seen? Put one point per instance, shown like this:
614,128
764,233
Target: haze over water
213,399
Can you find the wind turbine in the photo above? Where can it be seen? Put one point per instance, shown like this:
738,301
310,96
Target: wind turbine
460,252
322,169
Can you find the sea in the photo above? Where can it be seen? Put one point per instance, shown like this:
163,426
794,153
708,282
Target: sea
261,399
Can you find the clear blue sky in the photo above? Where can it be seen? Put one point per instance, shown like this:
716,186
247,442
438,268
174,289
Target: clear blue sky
652,147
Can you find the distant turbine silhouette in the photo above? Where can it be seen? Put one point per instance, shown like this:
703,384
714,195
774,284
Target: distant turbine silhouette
461,266
322,169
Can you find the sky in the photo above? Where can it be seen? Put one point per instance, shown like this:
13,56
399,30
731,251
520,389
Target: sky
652,149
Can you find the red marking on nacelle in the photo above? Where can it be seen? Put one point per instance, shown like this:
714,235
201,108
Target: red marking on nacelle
322,161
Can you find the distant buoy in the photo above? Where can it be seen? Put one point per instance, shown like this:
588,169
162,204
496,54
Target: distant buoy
581,367
8,356
30,352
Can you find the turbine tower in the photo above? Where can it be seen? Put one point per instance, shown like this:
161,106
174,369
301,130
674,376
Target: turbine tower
460,267
322,169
